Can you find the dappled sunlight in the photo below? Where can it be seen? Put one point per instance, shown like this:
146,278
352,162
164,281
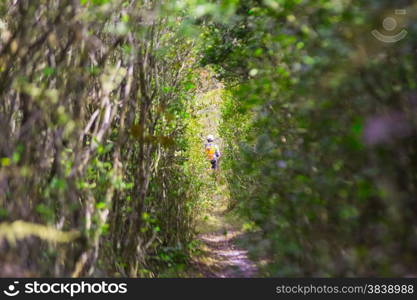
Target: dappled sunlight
230,138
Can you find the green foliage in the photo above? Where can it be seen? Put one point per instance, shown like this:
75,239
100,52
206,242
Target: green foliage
96,120
311,154
104,106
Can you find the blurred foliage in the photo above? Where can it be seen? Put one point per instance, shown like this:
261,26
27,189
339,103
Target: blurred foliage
96,99
319,126
101,133
19,230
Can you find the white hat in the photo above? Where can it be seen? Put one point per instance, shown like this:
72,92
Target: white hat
210,138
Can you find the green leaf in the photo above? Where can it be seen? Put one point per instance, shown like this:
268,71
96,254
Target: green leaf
48,71
5,162
101,205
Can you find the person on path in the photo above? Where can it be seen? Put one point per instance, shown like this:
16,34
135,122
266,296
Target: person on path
213,152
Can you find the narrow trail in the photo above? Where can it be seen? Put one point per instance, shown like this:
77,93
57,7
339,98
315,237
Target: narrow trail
229,260
222,256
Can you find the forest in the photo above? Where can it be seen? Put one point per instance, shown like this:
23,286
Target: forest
105,110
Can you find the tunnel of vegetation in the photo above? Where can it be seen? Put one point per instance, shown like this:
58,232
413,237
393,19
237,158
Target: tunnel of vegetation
101,164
